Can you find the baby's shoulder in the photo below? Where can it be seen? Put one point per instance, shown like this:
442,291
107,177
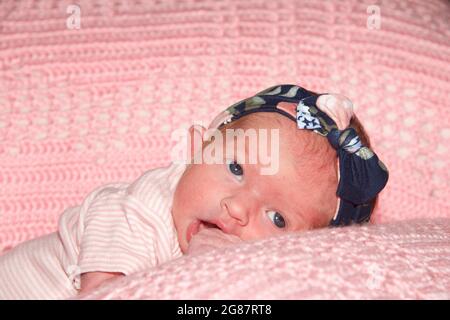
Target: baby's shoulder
155,183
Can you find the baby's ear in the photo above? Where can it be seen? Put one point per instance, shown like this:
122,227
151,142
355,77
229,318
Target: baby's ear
195,139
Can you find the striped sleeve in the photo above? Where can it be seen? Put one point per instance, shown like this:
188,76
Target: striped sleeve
154,192
115,239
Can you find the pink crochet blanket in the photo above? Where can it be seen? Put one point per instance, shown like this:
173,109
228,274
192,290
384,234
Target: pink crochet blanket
82,107
402,260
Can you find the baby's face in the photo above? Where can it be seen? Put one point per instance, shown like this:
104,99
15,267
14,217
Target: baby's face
235,197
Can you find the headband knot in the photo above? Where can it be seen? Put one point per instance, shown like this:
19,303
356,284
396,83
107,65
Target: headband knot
347,140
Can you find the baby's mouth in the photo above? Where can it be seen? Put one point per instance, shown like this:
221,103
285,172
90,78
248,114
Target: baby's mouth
207,224
196,226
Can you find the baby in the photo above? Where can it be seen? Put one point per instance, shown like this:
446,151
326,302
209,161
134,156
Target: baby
185,208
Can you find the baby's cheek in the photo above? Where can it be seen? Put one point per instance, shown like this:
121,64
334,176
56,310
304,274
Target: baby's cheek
196,182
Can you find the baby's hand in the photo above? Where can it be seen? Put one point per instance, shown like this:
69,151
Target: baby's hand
211,238
91,280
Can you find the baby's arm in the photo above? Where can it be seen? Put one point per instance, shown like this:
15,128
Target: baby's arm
91,280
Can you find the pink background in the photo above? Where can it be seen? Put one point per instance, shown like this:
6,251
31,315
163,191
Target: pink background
81,108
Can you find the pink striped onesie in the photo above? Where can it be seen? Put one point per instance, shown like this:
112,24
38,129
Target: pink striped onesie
119,227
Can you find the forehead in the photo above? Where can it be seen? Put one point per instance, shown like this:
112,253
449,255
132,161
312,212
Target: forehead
274,132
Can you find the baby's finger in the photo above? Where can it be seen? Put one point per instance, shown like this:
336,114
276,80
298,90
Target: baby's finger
211,238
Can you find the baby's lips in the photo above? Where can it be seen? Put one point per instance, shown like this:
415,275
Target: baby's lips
208,232
197,227
217,235
192,230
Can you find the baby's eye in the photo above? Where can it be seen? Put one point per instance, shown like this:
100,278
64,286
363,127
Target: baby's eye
277,219
235,168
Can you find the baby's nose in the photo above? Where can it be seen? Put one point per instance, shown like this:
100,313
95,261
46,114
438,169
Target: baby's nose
237,209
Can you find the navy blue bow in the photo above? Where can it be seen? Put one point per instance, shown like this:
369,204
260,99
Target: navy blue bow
362,174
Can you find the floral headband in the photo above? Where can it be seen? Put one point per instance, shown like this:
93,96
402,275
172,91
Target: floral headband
361,174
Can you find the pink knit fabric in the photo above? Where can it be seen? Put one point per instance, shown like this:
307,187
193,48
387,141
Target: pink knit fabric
82,108
401,260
